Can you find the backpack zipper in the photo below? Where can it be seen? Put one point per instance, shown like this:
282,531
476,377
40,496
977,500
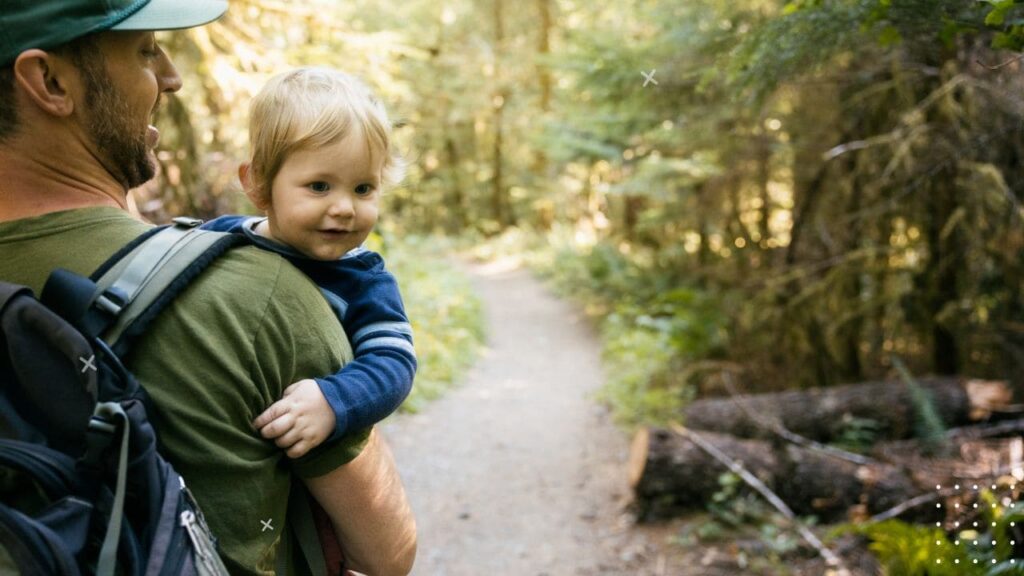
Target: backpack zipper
200,542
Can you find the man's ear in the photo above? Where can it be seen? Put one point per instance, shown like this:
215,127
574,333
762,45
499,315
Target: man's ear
256,196
44,79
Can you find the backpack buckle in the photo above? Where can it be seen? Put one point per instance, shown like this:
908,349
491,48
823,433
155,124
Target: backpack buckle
98,437
111,301
186,221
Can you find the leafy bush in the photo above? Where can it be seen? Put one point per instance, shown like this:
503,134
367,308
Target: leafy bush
912,550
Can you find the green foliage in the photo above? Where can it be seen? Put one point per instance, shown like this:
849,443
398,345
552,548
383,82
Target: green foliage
857,434
805,36
446,315
733,505
912,550
929,427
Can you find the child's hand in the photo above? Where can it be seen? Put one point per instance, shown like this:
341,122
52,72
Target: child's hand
299,421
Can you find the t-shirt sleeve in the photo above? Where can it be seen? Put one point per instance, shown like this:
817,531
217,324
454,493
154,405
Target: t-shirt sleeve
298,338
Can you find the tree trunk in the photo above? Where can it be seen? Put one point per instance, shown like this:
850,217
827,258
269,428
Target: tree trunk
823,414
458,196
498,208
543,76
670,474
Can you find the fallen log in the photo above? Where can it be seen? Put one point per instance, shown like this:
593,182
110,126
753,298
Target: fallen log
670,474
823,414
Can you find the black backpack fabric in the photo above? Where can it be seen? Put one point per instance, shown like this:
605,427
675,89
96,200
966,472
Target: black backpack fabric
83,489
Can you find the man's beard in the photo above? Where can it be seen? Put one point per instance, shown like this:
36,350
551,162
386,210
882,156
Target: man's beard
111,129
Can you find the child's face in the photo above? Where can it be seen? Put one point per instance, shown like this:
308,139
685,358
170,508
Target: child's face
324,202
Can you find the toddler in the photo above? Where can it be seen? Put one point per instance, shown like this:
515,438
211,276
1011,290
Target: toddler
321,154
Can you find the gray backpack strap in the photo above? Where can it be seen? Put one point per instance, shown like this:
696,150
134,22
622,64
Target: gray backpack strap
9,291
135,288
302,532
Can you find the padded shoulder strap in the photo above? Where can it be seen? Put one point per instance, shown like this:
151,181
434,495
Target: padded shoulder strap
9,291
137,287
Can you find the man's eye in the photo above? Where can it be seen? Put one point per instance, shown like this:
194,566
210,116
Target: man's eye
319,187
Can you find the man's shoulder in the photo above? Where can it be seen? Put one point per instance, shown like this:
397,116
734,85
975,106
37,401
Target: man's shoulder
248,278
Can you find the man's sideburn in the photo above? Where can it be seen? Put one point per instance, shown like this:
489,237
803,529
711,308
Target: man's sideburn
109,118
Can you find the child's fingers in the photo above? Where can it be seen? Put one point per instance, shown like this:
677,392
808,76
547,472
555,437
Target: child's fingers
279,427
288,439
276,410
299,449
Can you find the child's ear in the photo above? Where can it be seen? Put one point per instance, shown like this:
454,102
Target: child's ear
243,175
255,196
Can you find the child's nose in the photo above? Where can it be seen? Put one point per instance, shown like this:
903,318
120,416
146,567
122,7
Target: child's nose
341,206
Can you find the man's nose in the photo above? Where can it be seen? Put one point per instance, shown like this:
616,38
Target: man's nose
170,80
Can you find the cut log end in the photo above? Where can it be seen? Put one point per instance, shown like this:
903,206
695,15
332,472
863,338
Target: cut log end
986,396
638,456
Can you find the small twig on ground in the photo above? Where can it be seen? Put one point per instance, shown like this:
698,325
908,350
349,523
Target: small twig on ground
782,431
932,496
912,503
998,66
985,431
830,557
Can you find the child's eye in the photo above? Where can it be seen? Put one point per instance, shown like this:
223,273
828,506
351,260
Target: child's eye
319,187
364,189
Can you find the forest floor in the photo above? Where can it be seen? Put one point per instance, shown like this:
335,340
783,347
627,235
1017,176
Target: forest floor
519,471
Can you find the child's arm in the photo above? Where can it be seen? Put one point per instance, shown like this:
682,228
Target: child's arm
375,383
365,390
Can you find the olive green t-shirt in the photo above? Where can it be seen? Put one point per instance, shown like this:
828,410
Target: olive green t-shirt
219,355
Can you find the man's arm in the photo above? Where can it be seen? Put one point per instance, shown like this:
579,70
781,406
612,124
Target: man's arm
367,505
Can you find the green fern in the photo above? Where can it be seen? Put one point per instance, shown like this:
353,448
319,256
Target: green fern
910,550
929,426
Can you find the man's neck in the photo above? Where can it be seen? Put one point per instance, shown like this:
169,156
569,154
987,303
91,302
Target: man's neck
33,183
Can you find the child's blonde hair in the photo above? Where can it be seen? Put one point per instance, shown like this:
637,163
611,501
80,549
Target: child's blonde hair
312,107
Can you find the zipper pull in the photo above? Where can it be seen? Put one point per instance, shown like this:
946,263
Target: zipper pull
201,543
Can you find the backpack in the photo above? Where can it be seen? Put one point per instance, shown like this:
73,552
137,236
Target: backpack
83,489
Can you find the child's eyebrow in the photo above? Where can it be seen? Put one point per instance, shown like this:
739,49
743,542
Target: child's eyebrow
358,177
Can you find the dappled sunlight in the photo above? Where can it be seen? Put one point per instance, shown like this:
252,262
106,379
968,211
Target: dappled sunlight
742,196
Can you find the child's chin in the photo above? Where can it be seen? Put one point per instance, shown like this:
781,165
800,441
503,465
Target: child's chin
327,253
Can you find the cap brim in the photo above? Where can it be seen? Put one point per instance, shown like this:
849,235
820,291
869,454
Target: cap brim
173,15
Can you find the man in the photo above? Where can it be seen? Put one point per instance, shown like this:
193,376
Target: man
79,82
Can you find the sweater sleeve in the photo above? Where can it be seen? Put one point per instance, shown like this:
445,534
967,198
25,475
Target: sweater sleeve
380,377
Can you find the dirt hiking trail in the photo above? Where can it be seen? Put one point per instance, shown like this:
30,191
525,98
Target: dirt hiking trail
518,471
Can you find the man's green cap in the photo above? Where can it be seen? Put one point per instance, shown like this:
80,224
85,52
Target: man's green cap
46,24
